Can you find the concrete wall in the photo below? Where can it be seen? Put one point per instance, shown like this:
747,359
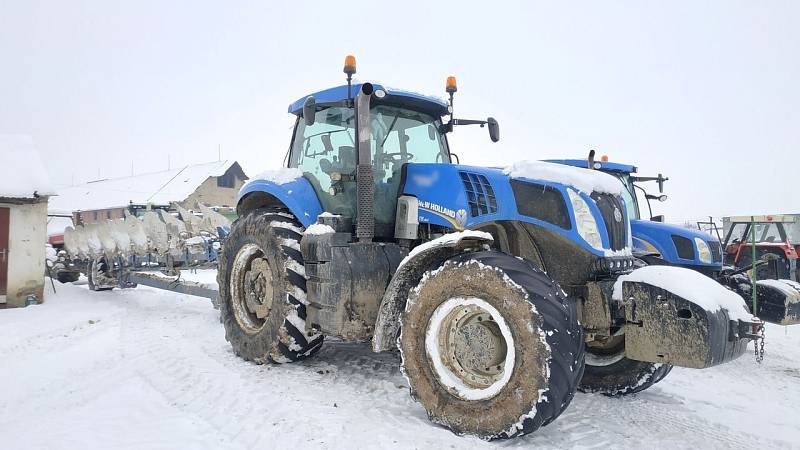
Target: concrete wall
27,238
210,194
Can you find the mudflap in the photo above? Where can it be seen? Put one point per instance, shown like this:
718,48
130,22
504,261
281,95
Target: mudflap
778,301
665,328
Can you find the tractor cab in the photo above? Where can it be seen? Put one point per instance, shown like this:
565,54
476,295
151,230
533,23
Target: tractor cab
405,128
767,235
392,127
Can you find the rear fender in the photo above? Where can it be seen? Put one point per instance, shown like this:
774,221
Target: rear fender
297,195
421,259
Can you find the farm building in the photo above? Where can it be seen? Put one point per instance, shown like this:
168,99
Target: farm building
24,190
212,184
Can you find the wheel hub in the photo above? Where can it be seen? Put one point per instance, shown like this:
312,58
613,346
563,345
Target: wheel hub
473,346
470,348
258,288
251,286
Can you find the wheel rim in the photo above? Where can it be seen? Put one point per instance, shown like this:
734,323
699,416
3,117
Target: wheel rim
470,348
605,352
251,288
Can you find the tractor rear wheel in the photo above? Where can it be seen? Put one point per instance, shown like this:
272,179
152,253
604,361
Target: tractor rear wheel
262,289
491,346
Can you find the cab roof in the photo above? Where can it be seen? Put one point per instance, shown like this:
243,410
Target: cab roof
432,105
603,165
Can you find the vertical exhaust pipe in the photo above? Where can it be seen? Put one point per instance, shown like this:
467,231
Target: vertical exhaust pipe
365,186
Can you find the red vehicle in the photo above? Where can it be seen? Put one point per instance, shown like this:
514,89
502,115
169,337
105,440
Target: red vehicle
771,238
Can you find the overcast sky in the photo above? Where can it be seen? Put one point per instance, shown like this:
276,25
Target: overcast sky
705,92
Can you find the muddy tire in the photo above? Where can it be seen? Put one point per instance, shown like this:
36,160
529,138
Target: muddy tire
609,372
262,289
491,346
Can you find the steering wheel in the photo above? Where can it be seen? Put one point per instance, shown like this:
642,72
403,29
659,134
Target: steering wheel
408,156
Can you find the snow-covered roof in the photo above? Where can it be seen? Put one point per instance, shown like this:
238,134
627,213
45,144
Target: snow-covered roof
22,174
159,188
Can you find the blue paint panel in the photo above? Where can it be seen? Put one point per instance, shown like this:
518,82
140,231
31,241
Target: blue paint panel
443,200
297,195
339,93
659,235
604,166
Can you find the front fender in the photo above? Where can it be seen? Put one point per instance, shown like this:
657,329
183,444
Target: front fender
297,195
421,259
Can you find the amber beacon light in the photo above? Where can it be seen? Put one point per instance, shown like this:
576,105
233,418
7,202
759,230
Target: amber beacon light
349,64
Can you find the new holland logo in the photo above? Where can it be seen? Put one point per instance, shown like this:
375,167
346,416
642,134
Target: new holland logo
456,218
617,214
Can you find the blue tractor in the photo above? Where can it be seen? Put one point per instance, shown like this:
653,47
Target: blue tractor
504,290
658,243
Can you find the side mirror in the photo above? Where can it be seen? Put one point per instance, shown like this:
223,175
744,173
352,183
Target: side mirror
657,219
661,198
494,129
309,110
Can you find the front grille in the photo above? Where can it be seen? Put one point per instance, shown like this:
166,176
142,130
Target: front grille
480,194
617,230
716,251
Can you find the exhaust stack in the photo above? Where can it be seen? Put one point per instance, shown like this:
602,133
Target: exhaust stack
365,186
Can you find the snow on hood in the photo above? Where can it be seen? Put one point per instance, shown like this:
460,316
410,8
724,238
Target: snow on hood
283,175
22,174
584,180
691,285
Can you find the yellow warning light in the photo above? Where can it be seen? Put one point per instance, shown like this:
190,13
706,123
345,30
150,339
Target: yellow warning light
350,64
604,158
451,84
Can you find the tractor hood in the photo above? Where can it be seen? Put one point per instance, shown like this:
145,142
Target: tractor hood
580,204
677,245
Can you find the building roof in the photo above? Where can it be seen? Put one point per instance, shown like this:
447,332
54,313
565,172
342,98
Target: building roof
22,174
159,188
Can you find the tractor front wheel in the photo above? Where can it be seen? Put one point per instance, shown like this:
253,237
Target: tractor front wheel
491,346
609,372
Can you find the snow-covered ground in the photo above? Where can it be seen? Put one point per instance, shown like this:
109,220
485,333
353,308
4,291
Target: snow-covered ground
146,368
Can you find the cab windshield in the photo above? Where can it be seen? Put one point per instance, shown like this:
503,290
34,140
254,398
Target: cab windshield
329,147
629,196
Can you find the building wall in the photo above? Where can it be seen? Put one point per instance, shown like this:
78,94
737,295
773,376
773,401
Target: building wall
98,215
27,238
210,194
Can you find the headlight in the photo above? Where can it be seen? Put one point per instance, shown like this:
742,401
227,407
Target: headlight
587,226
703,251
